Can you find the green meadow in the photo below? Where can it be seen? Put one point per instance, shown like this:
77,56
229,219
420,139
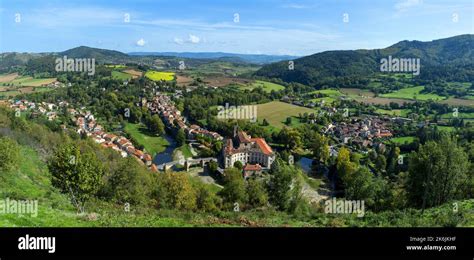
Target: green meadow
276,112
265,85
413,93
153,144
120,75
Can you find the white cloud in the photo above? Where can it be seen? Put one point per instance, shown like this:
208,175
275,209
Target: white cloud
194,39
179,41
141,42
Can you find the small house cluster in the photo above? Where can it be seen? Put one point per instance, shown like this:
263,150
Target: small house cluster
47,109
172,117
86,124
360,132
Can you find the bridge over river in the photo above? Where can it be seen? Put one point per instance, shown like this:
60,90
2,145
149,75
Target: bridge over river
186,162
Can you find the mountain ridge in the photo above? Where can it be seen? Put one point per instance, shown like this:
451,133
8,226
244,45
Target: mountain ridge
318,68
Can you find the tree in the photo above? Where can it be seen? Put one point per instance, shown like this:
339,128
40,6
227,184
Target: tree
288,121
279,187
343,164
438,172
205,200
234,188
212,166
320,148
265,122
257,196
238,165
180,137
9,154
129,183
177,191
381,163
155,125
392,165
290,137
358,185
77,173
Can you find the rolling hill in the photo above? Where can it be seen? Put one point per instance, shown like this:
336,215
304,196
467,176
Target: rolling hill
445,58
98,54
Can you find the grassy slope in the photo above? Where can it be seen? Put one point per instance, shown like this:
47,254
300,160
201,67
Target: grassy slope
121,75
267,86
31,181
276,112
412,93
403,140
153,144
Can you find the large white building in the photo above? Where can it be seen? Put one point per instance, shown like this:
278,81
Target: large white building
247,150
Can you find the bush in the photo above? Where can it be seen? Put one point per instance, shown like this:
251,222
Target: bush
9,154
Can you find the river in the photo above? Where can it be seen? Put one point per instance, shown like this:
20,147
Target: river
167,155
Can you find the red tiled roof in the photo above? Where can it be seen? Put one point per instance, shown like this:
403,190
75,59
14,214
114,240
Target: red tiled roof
147,157
138,153
262,144
252,167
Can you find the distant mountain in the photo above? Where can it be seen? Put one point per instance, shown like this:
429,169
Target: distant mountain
11,59
251,58
446,57
101,55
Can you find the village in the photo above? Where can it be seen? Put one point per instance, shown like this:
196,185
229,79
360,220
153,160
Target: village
173,119
86,124
361,133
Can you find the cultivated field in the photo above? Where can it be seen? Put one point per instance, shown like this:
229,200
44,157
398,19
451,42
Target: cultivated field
381,100
27,81
12,85
120,75
394,112
134,73
413,93
183,80
458,102
159,75
355,92
265,85
225,81
8,77
276,112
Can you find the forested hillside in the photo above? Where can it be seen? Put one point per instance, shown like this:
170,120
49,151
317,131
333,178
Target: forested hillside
450,59
31,152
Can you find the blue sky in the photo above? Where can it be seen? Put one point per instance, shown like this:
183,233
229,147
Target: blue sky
295,27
